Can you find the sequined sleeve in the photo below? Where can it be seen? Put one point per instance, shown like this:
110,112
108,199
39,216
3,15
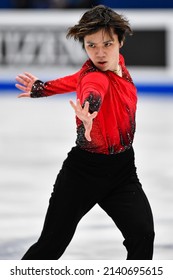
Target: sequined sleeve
94,87
37,89
58,86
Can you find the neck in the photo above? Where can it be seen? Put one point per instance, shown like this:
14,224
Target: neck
118,70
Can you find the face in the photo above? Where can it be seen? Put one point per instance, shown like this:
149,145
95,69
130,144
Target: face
103,50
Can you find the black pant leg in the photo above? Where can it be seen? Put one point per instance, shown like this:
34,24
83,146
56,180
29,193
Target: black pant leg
68,203
129,208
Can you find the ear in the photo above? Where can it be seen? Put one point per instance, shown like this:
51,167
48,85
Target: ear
121,44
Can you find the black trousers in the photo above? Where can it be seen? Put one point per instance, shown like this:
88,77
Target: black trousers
87,179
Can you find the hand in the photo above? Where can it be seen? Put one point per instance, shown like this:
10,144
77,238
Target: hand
84,115
26,81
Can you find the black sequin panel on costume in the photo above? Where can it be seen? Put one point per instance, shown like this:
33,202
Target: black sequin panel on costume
94,100
37,89
127,138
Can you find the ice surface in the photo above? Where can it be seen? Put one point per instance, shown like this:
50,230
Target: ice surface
35,136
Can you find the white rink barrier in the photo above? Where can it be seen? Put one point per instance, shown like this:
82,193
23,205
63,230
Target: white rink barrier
36,41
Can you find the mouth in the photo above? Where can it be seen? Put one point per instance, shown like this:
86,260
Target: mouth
102,65
101,62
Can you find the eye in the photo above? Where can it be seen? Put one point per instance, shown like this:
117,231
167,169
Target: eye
91,45
108,44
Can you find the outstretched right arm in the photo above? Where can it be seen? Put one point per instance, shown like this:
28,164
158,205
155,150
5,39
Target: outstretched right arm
33,87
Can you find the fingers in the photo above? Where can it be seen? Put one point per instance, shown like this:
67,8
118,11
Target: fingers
77,107
83,111
93,115
21,87
86,107
84,115
73,105
25,81
28,77
22,79
32,77
25,94
87,135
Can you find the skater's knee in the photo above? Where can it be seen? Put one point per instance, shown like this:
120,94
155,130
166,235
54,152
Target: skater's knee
143,236
146,234
140,246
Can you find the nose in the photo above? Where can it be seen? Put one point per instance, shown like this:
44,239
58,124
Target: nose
100,52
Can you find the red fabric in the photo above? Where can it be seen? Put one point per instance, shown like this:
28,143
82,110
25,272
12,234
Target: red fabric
61,85
113,96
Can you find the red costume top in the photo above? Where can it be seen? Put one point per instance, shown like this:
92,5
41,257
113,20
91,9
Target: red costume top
114,98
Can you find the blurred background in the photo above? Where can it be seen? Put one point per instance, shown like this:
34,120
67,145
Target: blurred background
35,135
